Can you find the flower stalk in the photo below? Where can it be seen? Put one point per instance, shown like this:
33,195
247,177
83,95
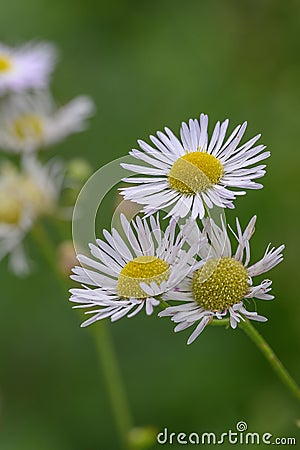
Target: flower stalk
269,354
113,380
263,346
104,346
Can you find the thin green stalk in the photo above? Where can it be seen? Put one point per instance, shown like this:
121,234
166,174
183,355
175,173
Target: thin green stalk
264,347
103,341
276,364
113,381
46,247
220,323
267,351
163,303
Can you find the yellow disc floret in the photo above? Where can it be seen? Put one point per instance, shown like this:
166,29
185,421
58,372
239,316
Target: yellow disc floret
220,283
141,269
195,172
28,126
40,201
11,195
5,63
10,209
21,195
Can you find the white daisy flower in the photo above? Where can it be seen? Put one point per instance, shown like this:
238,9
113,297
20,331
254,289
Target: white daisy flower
130,274
27,66
30,122
25,195
190,174
220,285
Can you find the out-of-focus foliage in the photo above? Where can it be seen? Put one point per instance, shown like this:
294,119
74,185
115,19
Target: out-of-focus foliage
147,65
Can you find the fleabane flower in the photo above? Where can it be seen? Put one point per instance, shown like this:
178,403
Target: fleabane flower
25,195
128,274
222,283
32,121
188,174
26,67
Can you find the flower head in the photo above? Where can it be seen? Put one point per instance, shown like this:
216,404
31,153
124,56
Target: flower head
30,122
222,281
190,174
25,195
27,66
128,274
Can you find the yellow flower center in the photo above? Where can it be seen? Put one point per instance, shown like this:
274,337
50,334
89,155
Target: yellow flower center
141,269
195,172
20,193
10,209
220,283
11,201
5,64
40,202
28,126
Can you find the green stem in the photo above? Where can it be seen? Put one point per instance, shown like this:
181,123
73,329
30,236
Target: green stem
220,323
103,342
46,247
271,357
267,351
113,381
163,303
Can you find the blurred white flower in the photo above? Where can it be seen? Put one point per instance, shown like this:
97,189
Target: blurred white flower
27,66
25,195
222,281
30,122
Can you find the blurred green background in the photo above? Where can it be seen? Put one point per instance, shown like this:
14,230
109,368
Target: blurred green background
147,65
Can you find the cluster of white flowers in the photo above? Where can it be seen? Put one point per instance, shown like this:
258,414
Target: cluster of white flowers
29,122
189,269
